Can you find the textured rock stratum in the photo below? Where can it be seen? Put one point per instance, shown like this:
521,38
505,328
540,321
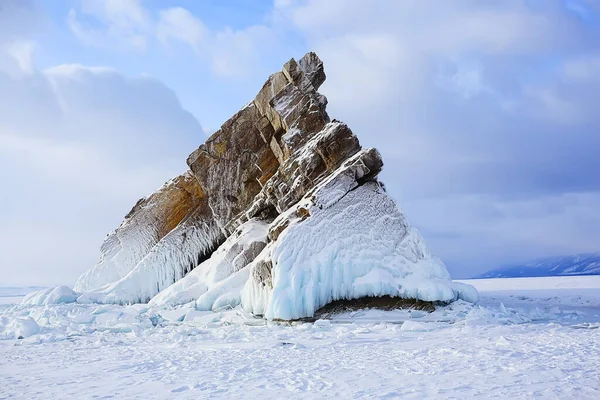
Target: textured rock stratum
280,211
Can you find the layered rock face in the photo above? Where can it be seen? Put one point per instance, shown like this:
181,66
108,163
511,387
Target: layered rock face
281,212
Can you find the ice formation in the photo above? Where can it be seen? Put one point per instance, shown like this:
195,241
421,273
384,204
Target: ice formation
55,295
280,212
354,246
218,281
150,220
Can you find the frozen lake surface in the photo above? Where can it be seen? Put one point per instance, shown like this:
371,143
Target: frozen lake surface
526,338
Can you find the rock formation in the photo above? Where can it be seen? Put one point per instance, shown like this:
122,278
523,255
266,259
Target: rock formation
281,212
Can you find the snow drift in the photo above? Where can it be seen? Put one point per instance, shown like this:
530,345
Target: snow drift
281,212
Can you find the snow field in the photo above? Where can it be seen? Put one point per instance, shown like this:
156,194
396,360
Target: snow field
509,345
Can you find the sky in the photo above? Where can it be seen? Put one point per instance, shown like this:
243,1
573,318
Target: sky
485,112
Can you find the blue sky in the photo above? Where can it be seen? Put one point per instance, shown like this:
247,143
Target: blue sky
175,64
485,113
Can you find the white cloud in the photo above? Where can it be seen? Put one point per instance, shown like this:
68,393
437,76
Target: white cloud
545,102
18,19
78,146
179,24
129,25
125,24
231,53
583,69
235,53
446,27
550,225
464,78
16,57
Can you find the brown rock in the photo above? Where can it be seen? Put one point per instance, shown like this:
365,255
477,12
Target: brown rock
259,164
312,66
233,164
148,222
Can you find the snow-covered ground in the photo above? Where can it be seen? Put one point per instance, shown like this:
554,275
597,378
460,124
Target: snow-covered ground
526,338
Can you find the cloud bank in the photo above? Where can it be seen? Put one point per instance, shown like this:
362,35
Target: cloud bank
78,146
485,113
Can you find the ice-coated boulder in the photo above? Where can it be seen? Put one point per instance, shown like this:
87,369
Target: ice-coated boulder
53,295
281,211
22,328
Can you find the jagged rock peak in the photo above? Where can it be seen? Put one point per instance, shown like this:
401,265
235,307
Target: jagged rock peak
280,211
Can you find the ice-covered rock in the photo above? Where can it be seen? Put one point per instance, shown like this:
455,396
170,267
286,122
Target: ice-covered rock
22,328
211,280
281,211
53,295
345,239
149,221
354,246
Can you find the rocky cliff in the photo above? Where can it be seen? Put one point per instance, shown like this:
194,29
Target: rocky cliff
280,211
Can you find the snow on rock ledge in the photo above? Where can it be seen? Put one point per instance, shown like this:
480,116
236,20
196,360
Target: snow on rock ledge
281,212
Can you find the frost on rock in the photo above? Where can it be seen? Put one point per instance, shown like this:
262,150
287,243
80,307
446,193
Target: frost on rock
280,211
216,277
171,259
150,220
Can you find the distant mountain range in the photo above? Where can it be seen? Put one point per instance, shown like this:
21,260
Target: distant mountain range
580,264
